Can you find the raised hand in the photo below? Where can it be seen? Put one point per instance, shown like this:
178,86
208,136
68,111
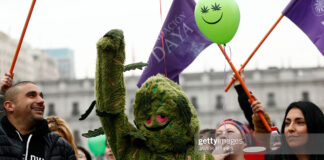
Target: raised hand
257,106
236,81
6,82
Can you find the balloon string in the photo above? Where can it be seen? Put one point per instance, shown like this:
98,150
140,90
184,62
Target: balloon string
164,58
224,100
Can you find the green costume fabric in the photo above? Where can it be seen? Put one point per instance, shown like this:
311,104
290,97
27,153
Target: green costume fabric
166,122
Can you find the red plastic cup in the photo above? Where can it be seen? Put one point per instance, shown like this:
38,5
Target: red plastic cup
254,153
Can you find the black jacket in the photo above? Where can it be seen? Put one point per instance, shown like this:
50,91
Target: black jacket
13,148
2,111
243,100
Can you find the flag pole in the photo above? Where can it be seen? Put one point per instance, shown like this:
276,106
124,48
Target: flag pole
265,123
22,38
255,50
163,51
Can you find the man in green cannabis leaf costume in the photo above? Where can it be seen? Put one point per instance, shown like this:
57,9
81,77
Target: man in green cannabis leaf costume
166,122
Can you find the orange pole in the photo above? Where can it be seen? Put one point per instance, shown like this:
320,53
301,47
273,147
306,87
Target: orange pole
265,123
22,37
255,50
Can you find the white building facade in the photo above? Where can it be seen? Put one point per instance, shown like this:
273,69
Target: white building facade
46,67
276,88
23,69
32,64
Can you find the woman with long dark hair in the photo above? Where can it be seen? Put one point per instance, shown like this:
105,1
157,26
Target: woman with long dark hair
302,132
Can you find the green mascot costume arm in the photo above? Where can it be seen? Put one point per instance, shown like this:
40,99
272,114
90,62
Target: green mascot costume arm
110,89
166,122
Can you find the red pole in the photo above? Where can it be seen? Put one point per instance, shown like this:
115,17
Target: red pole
254,51
165,67
265,123
22,37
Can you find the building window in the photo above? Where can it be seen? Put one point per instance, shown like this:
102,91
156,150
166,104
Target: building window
35,57
219,102
75,109
51,109
77,138
271,100
305,96
194,102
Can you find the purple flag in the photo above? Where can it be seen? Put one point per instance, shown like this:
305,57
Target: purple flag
308,15
183,41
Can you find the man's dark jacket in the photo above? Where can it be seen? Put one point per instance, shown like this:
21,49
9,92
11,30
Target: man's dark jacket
13,148
2,111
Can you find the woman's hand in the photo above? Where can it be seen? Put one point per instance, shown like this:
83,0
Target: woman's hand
236,81
257,106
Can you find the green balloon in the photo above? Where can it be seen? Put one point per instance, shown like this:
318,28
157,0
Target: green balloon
218,20
97,144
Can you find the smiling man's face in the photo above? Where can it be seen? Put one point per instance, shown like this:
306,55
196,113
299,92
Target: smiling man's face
29,102
24,104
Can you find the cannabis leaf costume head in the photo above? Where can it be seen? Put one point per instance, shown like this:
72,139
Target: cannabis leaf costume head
165,116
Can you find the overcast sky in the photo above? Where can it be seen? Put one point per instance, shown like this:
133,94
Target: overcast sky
78,24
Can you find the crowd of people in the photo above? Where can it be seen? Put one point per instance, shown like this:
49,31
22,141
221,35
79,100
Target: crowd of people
301,131
26,134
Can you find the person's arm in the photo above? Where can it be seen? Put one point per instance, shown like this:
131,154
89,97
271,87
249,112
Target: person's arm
261,133
245,106
6,82
110,91
259,127
243,100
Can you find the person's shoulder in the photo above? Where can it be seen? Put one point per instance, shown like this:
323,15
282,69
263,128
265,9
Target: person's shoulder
60,146
3,136
55,139
6,128
2,111
52,137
